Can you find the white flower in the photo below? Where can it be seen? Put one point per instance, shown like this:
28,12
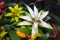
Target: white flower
35,19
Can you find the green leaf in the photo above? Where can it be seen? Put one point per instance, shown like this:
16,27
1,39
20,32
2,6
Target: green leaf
3,33
56,19
41,11
13,35
44,37
40,31
7,38
58,28
47,18
25,30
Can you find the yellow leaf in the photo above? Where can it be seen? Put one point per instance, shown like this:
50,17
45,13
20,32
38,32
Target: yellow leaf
21,11
16,7
11,9
15,13
12,19
3,33
8,14
17,19
20,8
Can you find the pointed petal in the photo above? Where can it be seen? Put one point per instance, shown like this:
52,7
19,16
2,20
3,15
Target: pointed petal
44,15
28,18
39,16
34,30
35,11
25,23
45,25
31,11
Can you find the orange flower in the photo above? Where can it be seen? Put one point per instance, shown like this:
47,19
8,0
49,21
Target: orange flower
21,34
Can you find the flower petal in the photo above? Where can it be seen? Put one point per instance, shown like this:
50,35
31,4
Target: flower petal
34,30
44,15
31,11
44,24
25,23
39,16
35,11
28,18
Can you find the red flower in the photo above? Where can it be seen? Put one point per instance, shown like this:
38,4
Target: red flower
2,7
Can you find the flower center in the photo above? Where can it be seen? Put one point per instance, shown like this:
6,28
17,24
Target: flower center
36,20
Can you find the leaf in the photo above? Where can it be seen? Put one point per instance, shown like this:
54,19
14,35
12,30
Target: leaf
3,33
8,14
40,31
7,38
47,18
58,28
13,35
44,37
10,4
25,30
55,18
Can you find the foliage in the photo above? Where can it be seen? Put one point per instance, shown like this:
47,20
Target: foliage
21,21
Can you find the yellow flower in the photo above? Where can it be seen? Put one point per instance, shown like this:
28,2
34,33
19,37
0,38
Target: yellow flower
23,27
15,13
21,34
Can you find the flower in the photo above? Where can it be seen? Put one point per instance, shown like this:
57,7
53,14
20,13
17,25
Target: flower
2,7
15,13
35,19
21,34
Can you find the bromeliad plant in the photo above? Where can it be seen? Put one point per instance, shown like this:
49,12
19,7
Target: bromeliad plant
28,24
15,13
35,19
